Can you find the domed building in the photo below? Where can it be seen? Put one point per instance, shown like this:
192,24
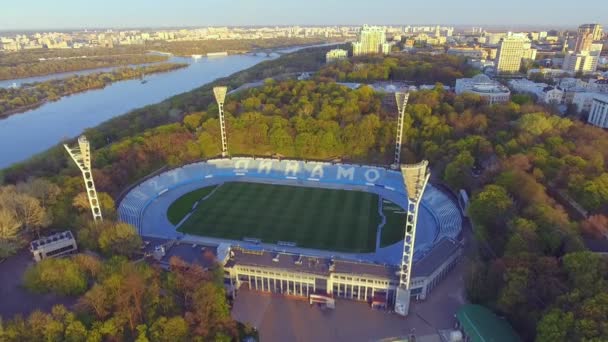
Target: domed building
491,91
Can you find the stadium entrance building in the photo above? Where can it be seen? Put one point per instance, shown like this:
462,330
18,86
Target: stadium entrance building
302,276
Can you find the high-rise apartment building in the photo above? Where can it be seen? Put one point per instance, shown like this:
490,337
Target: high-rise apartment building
587,34
586,53
585,61
370,41
511,50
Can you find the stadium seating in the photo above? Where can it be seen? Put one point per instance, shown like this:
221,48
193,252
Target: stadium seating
445,211
375,179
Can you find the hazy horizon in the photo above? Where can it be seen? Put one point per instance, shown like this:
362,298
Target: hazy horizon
76,15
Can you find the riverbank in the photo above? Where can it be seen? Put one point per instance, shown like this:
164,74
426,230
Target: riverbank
127,108
41,93
49,67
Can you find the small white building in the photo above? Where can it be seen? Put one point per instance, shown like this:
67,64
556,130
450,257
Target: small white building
53,246
598,85
598,115
543,92
491,91
335,55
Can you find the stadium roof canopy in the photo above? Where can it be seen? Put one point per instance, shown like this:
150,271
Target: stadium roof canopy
482,325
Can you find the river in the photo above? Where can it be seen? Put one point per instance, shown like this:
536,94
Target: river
23,135
26,134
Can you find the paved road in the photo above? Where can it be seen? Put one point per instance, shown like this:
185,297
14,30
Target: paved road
282,319
14,299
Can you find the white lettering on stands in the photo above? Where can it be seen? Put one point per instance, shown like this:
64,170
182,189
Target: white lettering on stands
371,175
346,173
265,166
292,168
317,171
241,165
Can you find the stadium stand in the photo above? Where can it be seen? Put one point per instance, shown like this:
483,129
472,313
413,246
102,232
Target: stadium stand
385,182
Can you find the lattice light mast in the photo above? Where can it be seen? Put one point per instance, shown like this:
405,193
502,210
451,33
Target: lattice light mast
220,95
81,155
401,99
415,177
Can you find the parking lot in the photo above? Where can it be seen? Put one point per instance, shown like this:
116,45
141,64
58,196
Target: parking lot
14,299
286,319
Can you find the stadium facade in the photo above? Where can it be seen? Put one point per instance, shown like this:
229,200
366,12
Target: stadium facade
288,269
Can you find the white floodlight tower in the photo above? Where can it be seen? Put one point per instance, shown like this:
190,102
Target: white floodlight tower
415,177
401,99
220,95
82,157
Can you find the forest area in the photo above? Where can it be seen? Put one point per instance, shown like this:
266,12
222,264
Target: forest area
40,62
202,47
14,70
29,96
414,68
530,266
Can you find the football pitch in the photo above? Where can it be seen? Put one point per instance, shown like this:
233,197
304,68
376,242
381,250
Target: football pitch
327,219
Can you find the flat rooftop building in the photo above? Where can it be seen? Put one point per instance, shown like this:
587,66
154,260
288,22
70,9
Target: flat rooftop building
491,91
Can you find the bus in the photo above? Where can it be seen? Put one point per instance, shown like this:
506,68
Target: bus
53,246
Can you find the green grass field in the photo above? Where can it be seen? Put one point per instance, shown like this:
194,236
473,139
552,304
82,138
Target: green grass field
327,219
395,223
178,209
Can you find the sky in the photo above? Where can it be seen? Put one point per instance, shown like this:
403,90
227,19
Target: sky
76,14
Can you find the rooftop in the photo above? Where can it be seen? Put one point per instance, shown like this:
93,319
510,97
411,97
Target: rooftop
482,325
430,262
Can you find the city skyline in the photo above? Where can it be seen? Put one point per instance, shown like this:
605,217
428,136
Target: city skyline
70,14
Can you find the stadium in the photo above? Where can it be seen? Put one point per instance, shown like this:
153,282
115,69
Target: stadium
309,229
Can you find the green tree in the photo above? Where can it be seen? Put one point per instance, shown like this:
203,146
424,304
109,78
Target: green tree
119,239
174,329
555,326
62,276
489,210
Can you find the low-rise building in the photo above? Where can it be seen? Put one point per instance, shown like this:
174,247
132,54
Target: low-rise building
53,246
598,115
301,276
491,91
581,99
335,55
468,52
543,92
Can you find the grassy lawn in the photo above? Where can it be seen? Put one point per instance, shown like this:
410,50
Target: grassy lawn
395,223
178,209
327,219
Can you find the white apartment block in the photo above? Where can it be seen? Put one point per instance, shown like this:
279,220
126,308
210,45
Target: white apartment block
598,115
511,50
371,40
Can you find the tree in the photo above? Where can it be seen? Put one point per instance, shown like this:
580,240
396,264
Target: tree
46,277
586,271
193,121
459,170
119,239
43,190
106,202
209,315
9,224
555,326
489,210
174,329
